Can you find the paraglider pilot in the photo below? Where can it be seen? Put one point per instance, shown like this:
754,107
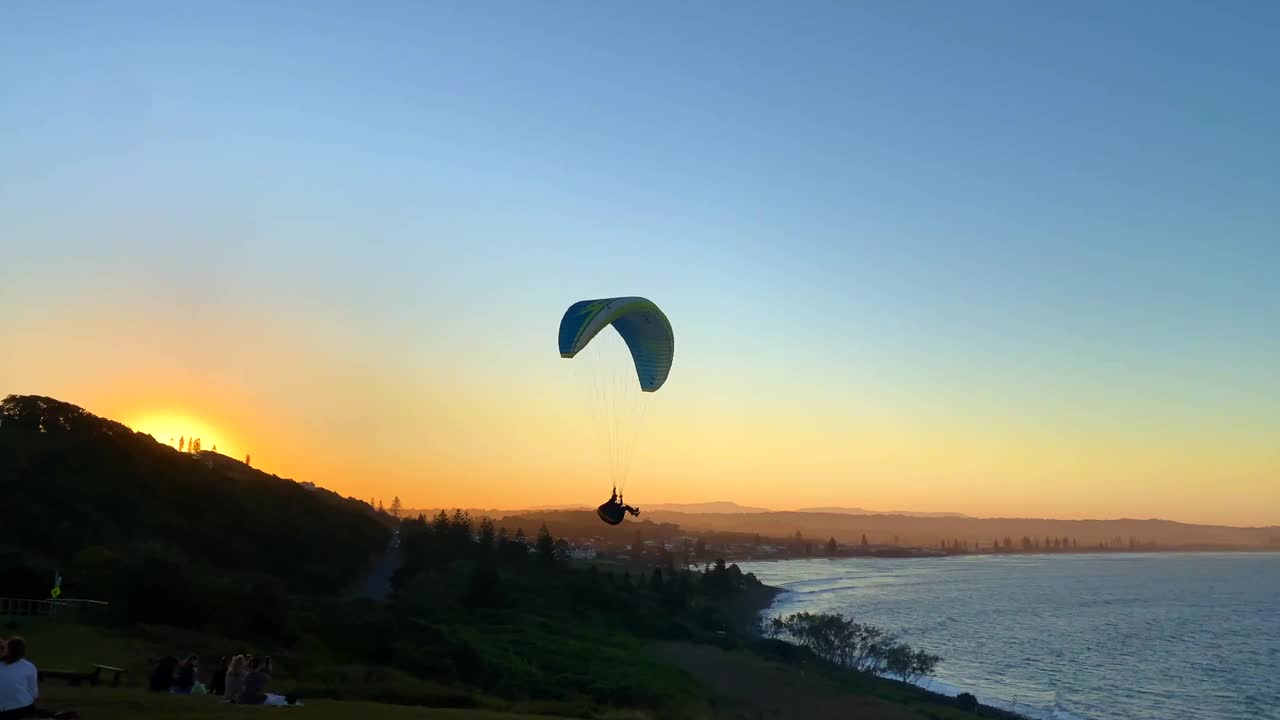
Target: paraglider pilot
614,511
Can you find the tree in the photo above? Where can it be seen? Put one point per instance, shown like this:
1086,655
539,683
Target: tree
865,544
182,442
215,447
487,536
380,508
502,538
519,534
246,459
545,545
440,523
655,580
832,546
395,506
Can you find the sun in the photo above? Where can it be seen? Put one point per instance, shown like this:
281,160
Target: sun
170,427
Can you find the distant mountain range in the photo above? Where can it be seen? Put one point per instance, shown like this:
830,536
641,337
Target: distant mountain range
863,511
709,508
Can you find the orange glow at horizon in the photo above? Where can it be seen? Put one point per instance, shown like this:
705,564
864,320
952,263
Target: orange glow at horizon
168,427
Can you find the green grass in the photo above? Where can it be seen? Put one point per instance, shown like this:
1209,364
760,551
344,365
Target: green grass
104,703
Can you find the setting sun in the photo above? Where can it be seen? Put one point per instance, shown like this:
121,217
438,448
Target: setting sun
170,427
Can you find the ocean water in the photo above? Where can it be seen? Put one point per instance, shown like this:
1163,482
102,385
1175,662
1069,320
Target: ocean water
1071,637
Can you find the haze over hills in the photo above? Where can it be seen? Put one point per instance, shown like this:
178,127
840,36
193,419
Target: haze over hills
862,511
930,531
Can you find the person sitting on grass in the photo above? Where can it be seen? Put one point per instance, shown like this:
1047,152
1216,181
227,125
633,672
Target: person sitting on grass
185,679
255,683
19,684
235,680
162,676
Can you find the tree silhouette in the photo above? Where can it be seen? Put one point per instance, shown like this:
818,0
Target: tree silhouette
246,459
215,447
545,545
864,540
832,546
182,442
380,509
395,506
487,535
194,447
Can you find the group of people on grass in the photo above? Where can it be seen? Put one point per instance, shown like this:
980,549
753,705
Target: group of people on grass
20,684
237,679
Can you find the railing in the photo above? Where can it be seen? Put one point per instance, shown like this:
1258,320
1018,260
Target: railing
28,607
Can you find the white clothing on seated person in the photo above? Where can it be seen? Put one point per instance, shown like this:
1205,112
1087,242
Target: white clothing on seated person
18,687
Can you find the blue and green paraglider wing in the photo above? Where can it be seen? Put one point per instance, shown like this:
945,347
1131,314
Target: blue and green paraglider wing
642,325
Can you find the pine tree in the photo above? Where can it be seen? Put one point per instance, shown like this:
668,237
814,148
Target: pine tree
487,534
380,509
182,442
864,540
545,545
215,447
395,506
246,459
832,546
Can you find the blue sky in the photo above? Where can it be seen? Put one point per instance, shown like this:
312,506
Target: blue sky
1061,214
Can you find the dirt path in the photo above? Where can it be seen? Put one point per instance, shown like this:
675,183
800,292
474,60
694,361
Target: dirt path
748,689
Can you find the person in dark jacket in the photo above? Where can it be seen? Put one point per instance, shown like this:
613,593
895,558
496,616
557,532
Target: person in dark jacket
185,679
162,676
218,683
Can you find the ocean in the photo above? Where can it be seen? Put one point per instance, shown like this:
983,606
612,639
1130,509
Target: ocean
1153,636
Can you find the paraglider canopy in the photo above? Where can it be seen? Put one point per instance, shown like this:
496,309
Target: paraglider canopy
641,324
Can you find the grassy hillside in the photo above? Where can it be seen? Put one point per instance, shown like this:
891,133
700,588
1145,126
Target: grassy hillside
101,503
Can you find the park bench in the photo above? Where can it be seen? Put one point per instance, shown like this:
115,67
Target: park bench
74,677
116,674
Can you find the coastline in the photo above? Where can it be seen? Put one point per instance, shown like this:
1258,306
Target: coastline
764,601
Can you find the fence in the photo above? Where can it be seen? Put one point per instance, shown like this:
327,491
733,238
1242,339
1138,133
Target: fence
65,607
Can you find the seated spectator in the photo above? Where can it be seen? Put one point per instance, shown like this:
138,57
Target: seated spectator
18,682
235,679
162,677
185,679
255,683
218,680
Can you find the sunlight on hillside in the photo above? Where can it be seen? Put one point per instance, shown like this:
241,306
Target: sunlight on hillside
170,427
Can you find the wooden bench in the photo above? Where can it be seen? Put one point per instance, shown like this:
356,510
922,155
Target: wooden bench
71,676
116,674
93,677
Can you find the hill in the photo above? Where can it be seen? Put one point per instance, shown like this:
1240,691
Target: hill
862,511
928,531
162,531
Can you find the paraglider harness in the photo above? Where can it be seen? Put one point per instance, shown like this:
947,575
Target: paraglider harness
614,511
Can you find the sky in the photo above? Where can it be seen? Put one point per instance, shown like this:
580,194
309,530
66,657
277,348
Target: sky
1000,258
